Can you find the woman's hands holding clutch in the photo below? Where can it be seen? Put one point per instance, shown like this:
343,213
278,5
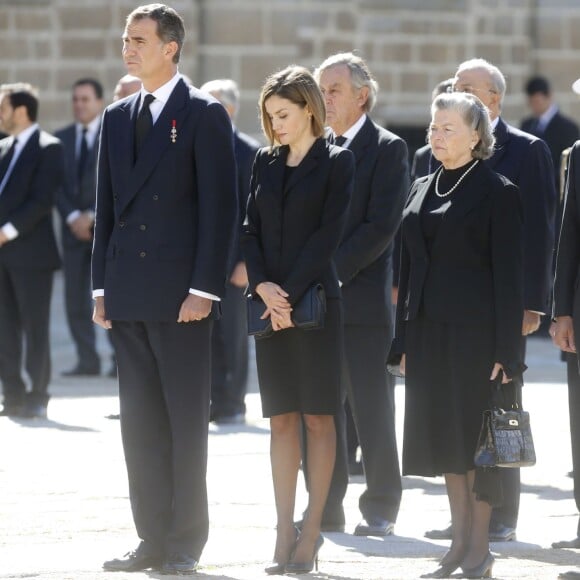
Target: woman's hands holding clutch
277,306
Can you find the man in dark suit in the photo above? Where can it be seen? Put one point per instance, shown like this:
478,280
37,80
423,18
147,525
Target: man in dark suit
31,171
166,211
76,204
364,265
547,122
526,161
566,298
230,336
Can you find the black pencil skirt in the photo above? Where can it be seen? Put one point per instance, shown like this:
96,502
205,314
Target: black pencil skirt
299,370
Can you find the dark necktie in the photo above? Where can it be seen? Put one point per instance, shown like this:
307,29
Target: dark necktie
5,161
144,123
83,155
340,141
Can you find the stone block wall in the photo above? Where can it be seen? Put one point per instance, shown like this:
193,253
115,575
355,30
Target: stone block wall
410,46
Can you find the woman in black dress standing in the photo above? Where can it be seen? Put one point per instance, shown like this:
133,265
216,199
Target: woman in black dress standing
299,197
459,318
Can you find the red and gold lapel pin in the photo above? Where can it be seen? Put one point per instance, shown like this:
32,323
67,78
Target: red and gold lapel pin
173,131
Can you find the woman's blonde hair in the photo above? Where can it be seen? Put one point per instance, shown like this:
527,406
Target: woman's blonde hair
296,84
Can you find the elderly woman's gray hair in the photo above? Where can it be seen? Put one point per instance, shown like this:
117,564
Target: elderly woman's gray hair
475,115
360,74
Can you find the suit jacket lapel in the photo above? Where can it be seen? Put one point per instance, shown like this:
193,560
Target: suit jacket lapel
275,171
502,137
413,212
308,164
362,140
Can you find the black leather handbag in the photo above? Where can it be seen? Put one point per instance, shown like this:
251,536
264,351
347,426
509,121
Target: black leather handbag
505,439
307,314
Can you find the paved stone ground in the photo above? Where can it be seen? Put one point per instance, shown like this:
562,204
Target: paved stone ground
64,506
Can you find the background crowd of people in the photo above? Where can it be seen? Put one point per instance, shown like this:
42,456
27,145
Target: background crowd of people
169,213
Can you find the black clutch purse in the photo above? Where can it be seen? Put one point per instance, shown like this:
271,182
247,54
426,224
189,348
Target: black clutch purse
308,313
505,439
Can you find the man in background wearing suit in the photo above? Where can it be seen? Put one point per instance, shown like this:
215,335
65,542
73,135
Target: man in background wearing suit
526,161
76,204
31,171
230,335
364,264
546,122
166,213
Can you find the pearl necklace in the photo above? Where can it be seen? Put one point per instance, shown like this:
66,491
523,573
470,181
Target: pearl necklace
456,185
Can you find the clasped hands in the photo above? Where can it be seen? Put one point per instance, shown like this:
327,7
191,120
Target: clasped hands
277,306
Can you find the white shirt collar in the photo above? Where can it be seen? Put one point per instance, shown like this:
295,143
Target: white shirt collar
548,115
351,132
92,130
23,137
163,93
494,123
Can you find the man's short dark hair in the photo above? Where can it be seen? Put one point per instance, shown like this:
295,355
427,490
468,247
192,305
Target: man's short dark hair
97,86
538,85
170,27
22,95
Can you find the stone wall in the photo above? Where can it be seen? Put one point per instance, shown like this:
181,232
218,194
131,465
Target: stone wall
409,44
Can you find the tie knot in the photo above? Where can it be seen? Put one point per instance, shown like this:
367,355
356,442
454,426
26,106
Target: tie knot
84,131
148,99
340,141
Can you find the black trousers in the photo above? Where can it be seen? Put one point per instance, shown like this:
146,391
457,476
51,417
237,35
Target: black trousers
371,395
230,356
78,301
164,389
574,408
24,319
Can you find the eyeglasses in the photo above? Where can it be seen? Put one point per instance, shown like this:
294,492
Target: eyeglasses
469,89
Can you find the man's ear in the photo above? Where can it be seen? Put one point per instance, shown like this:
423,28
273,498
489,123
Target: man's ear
363,95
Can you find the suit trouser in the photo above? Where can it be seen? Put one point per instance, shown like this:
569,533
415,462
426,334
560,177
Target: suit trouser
78,301
574,409
164,387
24,318
371,394
230,355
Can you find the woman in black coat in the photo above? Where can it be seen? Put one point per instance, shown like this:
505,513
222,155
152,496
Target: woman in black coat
299,197
459,317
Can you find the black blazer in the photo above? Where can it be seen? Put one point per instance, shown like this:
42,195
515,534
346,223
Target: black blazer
566,294
560,133
245,149
423,162
27,202
475,270
364,257
292,229
164,223
74,196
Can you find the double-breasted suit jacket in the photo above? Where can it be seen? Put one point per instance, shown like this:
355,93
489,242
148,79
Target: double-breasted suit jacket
27,264
474,271
292,229
155,234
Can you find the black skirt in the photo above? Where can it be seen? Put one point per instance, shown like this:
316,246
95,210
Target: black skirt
447,388
299,370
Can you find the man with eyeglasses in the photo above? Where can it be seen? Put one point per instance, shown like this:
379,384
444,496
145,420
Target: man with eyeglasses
526,161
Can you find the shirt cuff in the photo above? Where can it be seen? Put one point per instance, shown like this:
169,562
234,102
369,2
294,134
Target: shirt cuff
72,216
9,231
204,294
98,292
537,312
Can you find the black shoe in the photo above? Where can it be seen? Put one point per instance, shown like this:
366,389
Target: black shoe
11,410
571,574
306,567
374,526
444,571
81,371
575,543
444,534
179,564
501,533
139,559
34,411
481,571
114,417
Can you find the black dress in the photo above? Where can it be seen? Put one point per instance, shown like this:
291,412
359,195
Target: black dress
447,371
299,370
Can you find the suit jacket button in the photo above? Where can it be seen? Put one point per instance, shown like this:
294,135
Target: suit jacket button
142,227
121,224
142,254
115,197
155,197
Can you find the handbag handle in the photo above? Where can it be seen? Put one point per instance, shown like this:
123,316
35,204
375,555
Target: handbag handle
505,396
